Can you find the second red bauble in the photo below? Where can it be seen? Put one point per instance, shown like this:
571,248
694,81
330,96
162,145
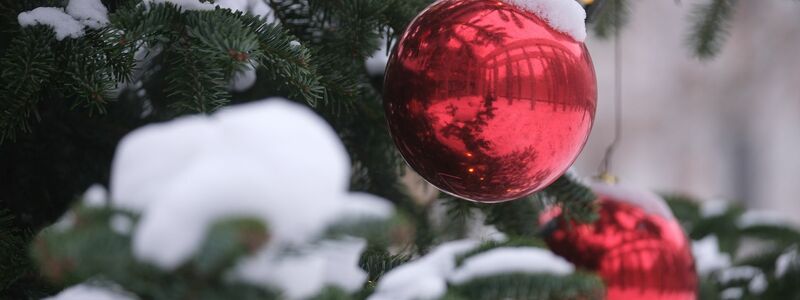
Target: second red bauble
636,246
487,101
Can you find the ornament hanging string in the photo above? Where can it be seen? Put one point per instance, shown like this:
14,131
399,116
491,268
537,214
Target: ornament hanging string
605,165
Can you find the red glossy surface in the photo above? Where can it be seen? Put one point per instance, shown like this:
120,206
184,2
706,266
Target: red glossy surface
486,101
638,255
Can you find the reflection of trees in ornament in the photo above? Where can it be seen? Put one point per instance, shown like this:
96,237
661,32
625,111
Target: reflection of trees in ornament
484,97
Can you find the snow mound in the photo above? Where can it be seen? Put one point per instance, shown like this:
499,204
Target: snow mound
787,261
183,4
428,276
62,23
89,292
647,200
566,16
714,208
424,278
91,13
302,275
79,15
511,260
273,160
752,218
707,256
244,80
95,196
255,7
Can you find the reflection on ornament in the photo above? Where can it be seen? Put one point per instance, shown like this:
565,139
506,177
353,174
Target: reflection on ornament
636,246
486,101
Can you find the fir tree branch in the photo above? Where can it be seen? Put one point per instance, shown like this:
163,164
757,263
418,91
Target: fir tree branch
611,16
25,70
525,286
193,84
576,200
710,28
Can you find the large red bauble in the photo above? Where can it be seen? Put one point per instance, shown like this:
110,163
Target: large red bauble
636,246
486,101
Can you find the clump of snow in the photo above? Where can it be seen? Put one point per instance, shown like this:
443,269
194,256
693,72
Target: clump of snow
739,273
713,208
91,13
62,23
567,16
759,284
121,224
788,260
244,80
731,293
302,275
272,160
95,196
366,206
511,260
183,4
644,199
255,7
424,278
707,256
762,217
148,158
66,222
89,292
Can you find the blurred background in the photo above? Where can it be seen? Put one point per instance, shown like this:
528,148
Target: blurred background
724,128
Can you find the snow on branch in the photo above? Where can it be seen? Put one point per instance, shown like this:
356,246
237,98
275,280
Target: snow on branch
274,161
79,14
566,16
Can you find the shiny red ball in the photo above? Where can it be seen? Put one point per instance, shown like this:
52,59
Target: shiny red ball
636,246
486,101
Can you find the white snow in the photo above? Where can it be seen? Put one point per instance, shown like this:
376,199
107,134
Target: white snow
731,293
95,196
255,7
244,80
566,16
63,24
713,208
647,200
365,206
272,160
148,158
787,260
302,275
707,256
737,274
65,223
424,278
763,217
511,260
121,224
89,292
759,284
183,4
91,13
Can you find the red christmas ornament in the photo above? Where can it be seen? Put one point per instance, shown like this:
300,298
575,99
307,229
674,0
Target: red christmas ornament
636,246
486,101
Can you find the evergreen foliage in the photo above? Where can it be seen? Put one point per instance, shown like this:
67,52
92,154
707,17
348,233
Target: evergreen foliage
773,240
64,106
